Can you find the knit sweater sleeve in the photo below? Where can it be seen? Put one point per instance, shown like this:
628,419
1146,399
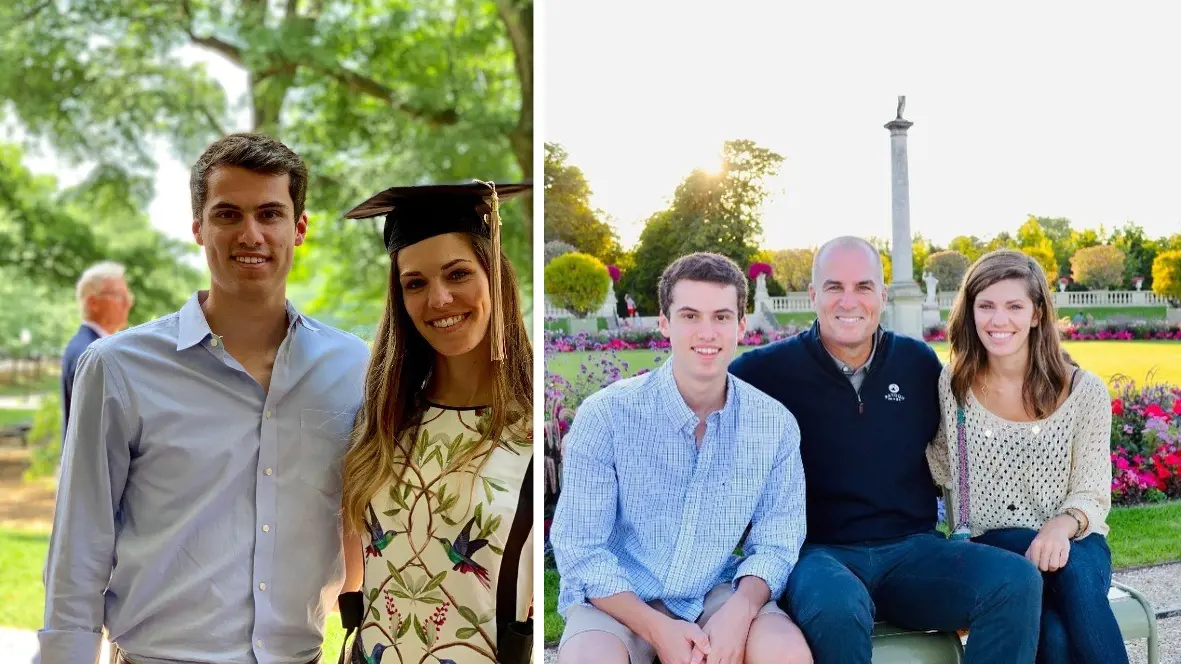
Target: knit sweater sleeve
1089,486
938,452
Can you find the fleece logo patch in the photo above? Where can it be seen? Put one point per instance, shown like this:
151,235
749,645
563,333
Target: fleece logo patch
893,394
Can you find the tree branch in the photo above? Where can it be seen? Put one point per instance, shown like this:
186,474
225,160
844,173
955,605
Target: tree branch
32,13
368,86
233,53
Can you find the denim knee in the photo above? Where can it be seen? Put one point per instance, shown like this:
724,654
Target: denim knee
1016,581
832,608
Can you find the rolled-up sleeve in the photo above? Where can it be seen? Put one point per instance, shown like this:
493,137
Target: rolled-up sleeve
585,515
1089,485
778,526
95,461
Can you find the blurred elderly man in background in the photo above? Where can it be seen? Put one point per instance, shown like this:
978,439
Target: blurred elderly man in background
105,302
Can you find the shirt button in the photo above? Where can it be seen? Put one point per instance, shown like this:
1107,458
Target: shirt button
268,414
266,528
267,471
258,643
262,586
213,342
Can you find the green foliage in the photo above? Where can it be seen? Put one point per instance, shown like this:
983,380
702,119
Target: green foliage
1139,250
920,249
970,246
792,268
1166,276
1098,268
46,437
1045,258
949,267
568,214
371,93
709,212
1033,242
49,237
576,282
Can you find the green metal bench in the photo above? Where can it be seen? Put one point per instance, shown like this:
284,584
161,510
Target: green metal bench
893,645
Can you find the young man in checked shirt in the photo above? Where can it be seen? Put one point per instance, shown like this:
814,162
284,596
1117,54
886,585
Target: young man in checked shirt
662,475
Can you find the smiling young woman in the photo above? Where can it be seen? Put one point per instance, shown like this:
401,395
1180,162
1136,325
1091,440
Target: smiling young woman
1024,445
441,457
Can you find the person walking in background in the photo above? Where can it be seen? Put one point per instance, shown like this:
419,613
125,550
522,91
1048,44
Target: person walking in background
1025,446
105,302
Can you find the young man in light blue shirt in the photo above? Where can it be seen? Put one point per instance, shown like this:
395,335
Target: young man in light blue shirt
662,475
198,511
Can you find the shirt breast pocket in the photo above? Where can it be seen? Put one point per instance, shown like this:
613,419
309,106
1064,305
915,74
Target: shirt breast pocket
323,440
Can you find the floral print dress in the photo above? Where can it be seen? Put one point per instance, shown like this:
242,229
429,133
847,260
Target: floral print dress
436,540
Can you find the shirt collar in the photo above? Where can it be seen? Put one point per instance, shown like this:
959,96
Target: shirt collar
846,369
681,415
194,328
98,329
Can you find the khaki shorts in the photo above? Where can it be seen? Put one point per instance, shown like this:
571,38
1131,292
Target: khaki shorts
582,618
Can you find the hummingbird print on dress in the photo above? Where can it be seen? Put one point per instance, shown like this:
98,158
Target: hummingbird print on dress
460,552
378,651
379,539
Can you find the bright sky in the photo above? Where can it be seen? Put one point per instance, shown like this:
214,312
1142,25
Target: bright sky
1048,108
170,210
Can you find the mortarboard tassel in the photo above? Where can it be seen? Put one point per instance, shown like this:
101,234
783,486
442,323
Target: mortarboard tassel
497,305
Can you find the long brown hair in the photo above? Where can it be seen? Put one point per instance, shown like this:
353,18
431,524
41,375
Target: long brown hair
400,364
1046,375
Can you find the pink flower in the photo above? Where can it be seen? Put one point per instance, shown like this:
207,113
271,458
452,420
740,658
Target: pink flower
1155,410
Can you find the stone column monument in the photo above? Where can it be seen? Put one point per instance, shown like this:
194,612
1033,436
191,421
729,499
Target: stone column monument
905,304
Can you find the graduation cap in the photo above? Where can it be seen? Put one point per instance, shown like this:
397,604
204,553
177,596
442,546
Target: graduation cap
414,214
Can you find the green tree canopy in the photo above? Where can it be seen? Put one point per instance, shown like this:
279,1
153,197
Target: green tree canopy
949,267
1098,268
577,282
371,93
568,214
709,212
1166,276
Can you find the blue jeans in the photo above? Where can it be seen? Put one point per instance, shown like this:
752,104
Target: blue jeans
1077,622
918,582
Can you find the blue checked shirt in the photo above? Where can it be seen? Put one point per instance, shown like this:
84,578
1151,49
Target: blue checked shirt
198,517
642,509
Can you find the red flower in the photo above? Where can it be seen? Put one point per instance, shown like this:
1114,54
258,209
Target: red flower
1117,407
1155,410
1177,406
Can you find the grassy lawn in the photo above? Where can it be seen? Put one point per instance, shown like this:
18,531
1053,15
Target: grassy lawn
1140,535
22,595
12,417
49,382
1105,358
1145,535
1114,313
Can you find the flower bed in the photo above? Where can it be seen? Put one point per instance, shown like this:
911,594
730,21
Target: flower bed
1146,443
1113,331
1119,331
652,339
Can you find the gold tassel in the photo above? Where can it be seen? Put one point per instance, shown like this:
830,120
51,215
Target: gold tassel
497,304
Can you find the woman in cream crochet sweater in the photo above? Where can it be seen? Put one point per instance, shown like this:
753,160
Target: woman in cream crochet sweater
1024,446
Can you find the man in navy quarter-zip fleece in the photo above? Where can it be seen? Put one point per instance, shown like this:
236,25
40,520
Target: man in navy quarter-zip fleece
867,406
